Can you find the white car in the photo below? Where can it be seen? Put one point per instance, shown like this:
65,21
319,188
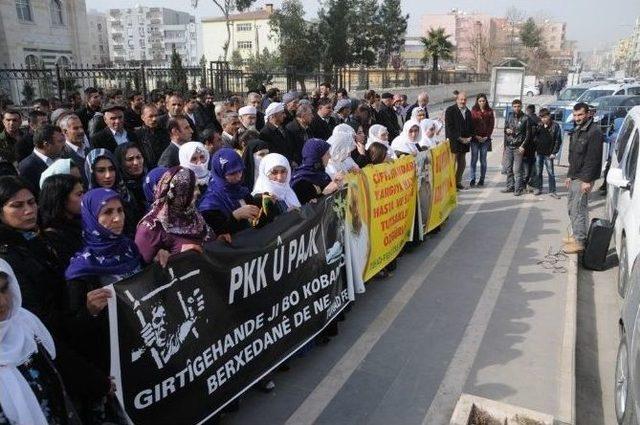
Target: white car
530,90
623,196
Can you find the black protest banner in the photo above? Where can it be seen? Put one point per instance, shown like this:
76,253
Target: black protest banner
188,339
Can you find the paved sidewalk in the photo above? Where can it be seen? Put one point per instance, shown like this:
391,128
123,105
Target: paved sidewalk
470,311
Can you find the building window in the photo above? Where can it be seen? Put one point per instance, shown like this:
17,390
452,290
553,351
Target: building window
57,13
248,45
243,27
99,27
23,8
32,62
63,62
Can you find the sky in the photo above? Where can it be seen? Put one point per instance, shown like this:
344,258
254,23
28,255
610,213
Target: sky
593,23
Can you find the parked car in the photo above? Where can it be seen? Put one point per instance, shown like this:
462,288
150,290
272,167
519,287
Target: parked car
623,196
611,107
627,386
531,90
561,108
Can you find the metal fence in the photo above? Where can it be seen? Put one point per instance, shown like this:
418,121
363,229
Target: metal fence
23,84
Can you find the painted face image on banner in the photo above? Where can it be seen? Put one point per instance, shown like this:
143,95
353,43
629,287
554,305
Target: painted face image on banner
162,339
335,248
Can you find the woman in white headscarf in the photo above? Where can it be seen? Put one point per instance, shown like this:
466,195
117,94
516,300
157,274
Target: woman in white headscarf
60,166
273,179
195,157
358,155
407,142
379,134
429,129
418,113
30,390
340,163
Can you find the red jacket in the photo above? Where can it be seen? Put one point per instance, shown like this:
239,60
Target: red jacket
483,122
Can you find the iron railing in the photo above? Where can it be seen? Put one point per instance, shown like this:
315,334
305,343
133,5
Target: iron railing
23,84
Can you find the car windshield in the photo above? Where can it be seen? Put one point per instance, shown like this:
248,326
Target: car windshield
590,95
571,94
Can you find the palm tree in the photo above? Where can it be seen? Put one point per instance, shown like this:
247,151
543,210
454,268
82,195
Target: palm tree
436,46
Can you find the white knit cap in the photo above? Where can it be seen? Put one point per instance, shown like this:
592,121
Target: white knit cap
273,108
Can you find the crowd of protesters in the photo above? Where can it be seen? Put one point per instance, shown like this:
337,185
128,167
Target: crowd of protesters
94,190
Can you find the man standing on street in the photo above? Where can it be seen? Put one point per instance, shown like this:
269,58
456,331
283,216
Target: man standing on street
585,160
180,132
459,130
423,101
548,137
516,133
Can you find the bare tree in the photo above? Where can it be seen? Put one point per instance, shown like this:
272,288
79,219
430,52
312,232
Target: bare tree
515,17
226,7
485,52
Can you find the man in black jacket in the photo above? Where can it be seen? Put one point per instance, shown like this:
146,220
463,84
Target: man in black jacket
93,103
387,116
180,132
517,131
153,138
48,143
458,128
323,121
548,139
115,134
298,130
585,161
274,134
132,115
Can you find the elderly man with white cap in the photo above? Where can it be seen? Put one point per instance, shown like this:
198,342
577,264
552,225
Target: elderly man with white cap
248,116
275,135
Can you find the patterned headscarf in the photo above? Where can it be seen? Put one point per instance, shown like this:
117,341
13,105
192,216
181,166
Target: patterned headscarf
104,252
89,165
174,208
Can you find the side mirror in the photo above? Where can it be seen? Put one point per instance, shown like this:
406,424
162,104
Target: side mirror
615,178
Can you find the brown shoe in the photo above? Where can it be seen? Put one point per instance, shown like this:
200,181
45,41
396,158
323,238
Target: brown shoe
573,248
568,239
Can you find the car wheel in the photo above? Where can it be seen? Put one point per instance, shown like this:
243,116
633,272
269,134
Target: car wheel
529,93
622,392
623,274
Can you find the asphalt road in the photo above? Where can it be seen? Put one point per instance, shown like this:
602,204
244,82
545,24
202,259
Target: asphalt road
470,310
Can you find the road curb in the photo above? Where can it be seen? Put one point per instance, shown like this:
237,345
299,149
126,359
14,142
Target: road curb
567,386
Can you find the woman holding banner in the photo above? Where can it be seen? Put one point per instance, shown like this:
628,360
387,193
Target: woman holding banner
228,206
273,184
174,224
107,257
310,180
407,142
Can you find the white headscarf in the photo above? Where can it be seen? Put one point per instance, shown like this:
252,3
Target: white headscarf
282,191
201,170
345,129
18,335
374,137
426,141
414,112
403,144
342,144
59,166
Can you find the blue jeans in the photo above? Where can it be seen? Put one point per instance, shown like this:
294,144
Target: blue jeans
515,168
546,162
479,150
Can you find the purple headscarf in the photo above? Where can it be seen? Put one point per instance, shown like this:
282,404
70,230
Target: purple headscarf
312,169
222,195
150,181
104,252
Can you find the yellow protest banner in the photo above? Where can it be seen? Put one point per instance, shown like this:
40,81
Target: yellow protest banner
444,197
382,202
